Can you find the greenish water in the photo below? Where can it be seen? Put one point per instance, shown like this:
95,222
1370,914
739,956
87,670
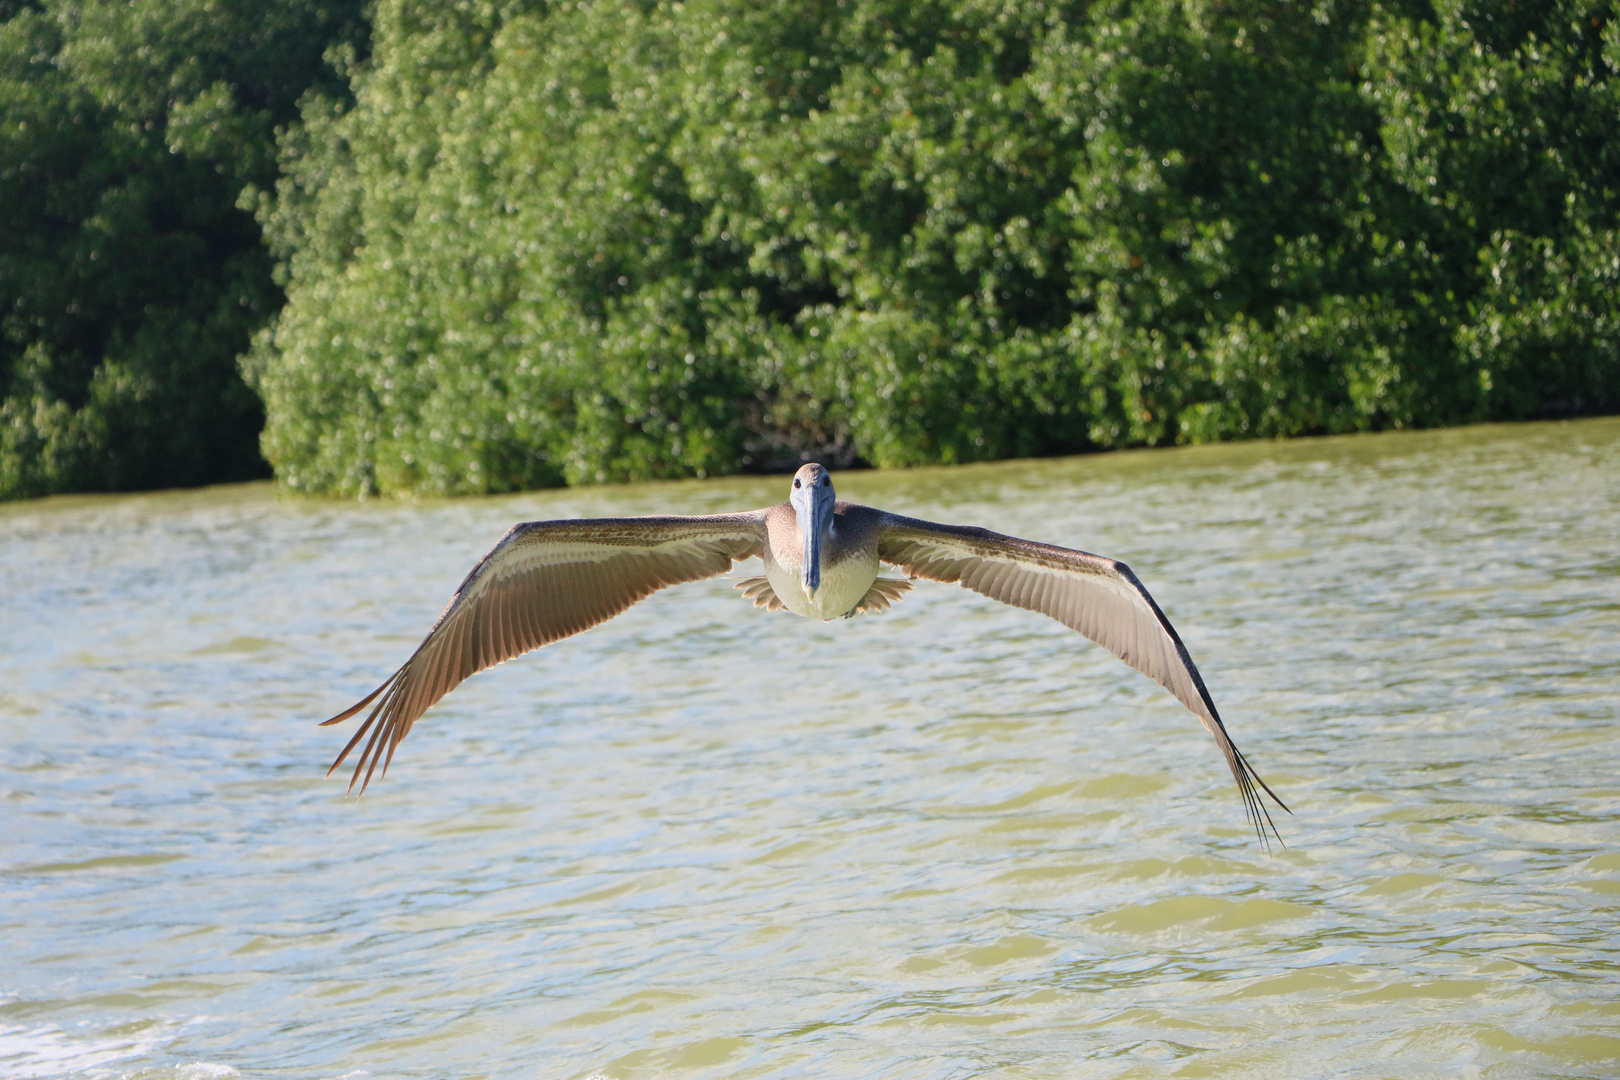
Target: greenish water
950,841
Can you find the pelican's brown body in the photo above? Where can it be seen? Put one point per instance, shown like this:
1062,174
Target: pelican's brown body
849,576
547,580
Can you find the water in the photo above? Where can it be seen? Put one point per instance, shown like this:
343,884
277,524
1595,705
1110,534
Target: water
951,841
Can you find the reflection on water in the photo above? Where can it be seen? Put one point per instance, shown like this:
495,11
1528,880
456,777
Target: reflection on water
949,841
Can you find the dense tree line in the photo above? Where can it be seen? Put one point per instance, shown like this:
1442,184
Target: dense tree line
531,242
130,280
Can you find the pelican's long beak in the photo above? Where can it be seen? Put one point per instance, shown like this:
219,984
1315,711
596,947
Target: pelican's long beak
813,505
812,547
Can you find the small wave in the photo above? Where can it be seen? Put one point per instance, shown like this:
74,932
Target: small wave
26,1053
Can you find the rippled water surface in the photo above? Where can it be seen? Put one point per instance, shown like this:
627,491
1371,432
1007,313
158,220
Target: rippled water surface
950,841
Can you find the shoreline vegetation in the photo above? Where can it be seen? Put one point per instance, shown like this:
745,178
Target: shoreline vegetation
479,247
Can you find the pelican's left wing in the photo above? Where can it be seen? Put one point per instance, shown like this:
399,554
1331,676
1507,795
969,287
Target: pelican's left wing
544,581
1096,596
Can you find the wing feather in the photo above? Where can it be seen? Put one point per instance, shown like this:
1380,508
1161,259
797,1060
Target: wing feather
544,581
1095,596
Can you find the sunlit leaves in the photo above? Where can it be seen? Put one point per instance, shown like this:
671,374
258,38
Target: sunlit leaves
586,241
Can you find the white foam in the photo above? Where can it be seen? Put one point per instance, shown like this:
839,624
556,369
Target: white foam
49,1051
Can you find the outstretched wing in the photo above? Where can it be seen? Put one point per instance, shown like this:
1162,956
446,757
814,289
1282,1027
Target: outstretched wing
544,581
1095,596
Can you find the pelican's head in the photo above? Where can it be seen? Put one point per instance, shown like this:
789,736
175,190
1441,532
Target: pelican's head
812,500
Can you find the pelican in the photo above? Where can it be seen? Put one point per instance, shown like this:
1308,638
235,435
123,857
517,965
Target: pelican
547,580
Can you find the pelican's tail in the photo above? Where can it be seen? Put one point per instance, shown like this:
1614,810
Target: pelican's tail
758,589
884,593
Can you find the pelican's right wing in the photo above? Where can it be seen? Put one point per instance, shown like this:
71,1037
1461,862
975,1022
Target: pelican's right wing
544,581
1095,596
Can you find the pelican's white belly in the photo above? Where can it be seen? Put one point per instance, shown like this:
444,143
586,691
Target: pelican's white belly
843,585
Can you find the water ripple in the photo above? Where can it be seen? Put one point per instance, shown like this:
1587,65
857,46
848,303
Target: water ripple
948,842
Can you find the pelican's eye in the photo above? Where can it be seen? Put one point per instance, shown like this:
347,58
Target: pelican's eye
796,482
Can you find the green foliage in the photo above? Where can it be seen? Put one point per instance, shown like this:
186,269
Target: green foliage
582,241
129,279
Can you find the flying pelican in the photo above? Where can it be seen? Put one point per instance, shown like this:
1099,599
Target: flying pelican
547,580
